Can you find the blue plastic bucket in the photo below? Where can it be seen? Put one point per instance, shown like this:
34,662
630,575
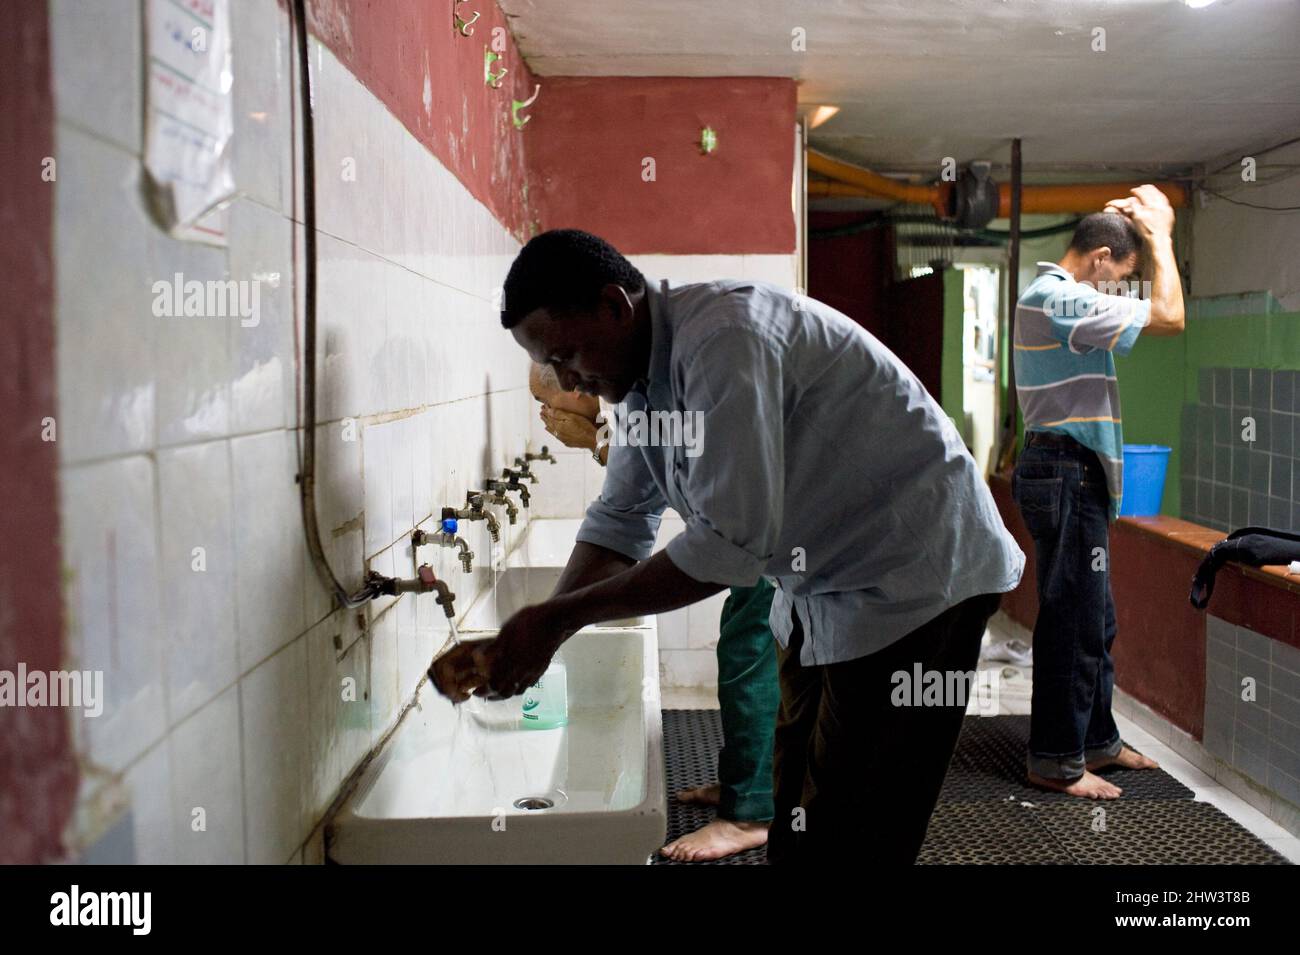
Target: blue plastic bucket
1144,479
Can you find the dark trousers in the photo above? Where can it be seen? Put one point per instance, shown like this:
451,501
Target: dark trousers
1061,492
856,776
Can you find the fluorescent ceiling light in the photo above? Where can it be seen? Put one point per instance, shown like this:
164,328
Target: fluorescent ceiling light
821,114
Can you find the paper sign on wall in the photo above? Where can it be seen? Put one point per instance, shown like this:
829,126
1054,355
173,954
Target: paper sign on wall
189,117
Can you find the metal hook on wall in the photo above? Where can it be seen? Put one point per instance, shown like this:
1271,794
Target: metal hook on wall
516,105
460,24
492,79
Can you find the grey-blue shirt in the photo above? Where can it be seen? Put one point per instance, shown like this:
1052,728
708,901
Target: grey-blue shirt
817,460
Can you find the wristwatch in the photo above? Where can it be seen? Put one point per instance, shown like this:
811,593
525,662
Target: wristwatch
601,421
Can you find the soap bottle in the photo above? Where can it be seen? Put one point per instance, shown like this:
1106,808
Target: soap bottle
546,702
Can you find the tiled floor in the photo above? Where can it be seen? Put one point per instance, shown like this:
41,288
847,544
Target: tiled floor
1014,697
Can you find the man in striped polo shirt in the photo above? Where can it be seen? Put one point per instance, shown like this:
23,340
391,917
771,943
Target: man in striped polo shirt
1070,323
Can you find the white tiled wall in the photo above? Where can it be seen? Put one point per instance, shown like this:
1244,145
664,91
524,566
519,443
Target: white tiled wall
225,721
188,581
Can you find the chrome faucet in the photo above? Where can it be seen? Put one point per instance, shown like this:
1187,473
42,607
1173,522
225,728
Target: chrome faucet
513,483
475,511
522,469
495,492
446,538
544,455
424,582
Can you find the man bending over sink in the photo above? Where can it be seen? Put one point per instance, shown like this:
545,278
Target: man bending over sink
748,691
798,449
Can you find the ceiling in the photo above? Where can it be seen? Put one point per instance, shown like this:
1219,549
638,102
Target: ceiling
923,79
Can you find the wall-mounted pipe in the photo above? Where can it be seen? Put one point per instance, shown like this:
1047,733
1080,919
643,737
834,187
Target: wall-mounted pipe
856,181
307,449
1005,448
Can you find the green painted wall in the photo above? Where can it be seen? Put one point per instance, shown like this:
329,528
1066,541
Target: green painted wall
952,378
1162,373
1158,376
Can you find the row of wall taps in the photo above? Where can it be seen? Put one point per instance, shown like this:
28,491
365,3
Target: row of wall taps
493,492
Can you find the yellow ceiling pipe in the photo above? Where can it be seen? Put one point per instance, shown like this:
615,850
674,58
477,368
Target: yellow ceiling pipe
872,184
1082,197
852,180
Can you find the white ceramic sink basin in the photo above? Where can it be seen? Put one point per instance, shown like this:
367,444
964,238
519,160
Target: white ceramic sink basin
532,571
518,587
451,789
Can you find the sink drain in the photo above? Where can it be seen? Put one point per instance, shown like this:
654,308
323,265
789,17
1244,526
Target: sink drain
534,803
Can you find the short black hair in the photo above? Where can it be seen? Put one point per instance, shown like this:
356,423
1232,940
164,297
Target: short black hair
563,271
1110,229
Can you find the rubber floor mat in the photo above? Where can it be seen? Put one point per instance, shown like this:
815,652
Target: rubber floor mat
988,815
989,763
692,740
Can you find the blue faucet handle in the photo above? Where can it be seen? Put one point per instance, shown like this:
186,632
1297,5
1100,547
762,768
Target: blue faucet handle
449,525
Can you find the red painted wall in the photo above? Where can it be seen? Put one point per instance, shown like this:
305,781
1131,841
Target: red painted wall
592,134
38,772
915,328
852,273
1159,648
392,45
581,152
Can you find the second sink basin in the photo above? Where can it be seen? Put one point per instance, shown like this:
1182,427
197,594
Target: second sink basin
519,587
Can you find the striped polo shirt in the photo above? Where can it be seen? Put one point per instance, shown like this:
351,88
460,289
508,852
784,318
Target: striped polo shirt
1067,336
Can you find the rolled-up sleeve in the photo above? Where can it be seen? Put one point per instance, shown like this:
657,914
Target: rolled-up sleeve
625,518
734,476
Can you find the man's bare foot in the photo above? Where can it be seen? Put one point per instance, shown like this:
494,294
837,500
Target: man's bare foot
1127,759
709,795
717,840
1087,786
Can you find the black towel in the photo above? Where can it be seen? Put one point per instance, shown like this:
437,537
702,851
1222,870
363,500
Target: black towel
1254,546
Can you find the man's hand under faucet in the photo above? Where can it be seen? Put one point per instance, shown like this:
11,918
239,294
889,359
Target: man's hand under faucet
516,659
504,666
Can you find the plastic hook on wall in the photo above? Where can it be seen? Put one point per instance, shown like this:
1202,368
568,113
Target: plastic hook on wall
517,104
462,26
492,79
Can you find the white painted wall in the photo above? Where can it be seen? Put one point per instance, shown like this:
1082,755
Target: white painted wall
1238,249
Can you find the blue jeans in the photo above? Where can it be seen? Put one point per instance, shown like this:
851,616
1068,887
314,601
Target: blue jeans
1061,492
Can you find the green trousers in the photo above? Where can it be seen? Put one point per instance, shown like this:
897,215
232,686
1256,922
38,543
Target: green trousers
749,694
